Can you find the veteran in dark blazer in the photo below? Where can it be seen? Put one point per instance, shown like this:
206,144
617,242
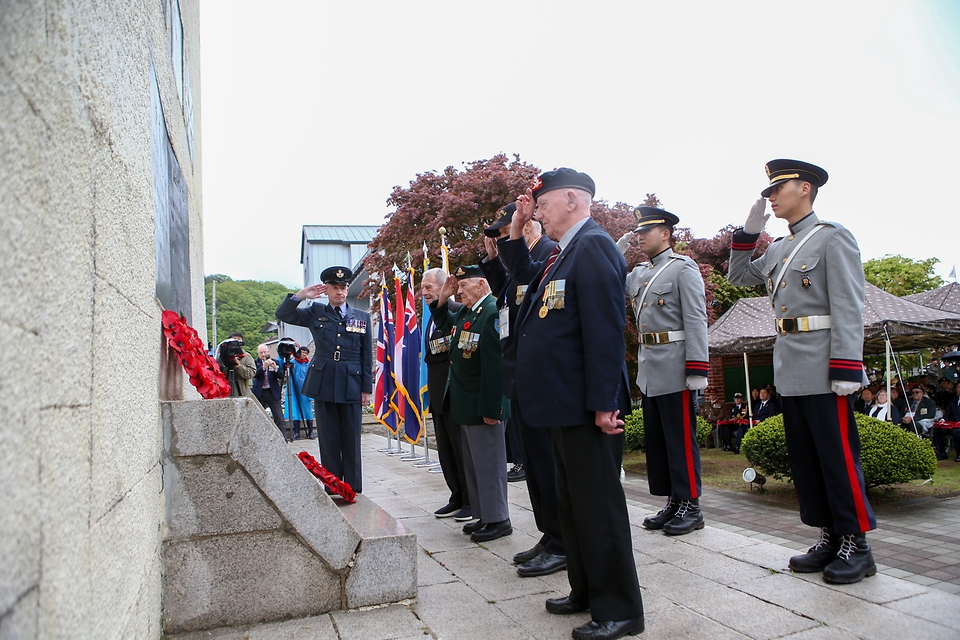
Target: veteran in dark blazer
814,279
571,378
340,377
474,397
667,295
548,555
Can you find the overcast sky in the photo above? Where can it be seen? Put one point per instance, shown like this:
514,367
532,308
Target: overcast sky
312,111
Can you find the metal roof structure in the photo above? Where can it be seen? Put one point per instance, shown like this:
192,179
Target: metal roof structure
337,234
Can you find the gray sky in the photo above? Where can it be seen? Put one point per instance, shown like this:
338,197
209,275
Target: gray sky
312,111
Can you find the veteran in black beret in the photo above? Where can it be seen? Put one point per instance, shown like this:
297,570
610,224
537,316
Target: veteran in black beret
814,279
340,377
571,378
668,298
474,397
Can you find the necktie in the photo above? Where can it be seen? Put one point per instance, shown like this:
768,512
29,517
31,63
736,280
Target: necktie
339,313
550,261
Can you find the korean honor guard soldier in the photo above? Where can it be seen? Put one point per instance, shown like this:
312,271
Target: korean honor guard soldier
668,299
814,278
341,373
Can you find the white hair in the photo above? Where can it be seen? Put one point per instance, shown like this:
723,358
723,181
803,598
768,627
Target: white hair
436,274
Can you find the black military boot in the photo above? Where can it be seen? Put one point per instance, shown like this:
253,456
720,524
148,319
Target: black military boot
819,555
663,516
688,518
853,563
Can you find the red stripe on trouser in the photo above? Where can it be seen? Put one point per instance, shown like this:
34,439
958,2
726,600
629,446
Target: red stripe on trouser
688,445
843,415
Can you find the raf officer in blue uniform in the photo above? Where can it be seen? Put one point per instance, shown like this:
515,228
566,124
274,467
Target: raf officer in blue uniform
341,374
814,279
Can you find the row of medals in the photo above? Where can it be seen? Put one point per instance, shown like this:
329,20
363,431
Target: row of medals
553,295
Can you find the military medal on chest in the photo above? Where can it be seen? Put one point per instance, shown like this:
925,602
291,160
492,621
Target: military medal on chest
805,282
468,343
553,296
521,293
356,326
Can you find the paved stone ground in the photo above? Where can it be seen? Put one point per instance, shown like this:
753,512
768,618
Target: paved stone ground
713,583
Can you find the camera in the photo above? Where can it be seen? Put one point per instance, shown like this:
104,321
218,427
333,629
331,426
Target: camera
230,350
287,348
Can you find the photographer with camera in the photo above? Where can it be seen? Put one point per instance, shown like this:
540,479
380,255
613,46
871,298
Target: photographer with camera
267,386
298,407
237,364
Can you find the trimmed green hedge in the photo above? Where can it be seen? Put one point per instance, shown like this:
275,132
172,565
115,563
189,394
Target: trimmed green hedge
889,455
634,435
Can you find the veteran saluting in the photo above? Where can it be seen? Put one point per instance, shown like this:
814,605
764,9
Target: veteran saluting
474,397
340,375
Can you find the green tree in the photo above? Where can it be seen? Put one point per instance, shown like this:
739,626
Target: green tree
244,306
902,276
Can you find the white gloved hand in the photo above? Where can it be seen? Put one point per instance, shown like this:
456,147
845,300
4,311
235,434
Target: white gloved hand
844,387
624,242
756,220
696,383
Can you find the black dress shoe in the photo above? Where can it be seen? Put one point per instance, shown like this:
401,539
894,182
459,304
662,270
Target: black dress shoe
516,474
608,629
543,565
446,511
565,605
492,531
528,555
688,518
471,527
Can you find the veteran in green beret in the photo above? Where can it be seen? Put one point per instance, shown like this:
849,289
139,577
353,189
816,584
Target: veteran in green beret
474,397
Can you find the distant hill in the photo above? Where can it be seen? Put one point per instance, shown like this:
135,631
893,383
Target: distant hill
244,306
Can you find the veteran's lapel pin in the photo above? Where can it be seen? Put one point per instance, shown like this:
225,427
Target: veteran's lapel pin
805,281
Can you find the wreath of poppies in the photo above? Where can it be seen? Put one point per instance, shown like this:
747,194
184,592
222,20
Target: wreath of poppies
330,481
204,372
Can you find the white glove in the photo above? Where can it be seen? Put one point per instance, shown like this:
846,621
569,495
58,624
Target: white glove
844,387
756,220
624,242
696,383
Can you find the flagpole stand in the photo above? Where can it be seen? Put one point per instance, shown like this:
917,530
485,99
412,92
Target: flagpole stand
427,462
399,450
412,454
389,447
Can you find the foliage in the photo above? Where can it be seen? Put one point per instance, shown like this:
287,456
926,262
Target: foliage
635,439
889,455
244,306
902,276
726,294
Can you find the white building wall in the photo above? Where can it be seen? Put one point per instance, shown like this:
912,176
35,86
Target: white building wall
80,439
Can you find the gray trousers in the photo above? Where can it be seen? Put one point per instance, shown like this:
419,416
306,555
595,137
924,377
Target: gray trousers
485,468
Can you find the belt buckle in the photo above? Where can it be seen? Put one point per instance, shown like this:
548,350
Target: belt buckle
787,325
663,337
648,338
336,356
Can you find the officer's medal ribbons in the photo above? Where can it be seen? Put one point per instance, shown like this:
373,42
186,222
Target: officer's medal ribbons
439,345
356,326
468,343
553,296
521,293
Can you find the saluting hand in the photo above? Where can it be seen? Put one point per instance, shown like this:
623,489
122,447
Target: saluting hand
312,291
756,220
449,288
490,244
609,423
526,207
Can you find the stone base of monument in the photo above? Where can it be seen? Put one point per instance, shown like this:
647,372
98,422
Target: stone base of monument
251,536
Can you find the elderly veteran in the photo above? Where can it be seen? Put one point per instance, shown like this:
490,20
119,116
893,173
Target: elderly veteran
668,299
814,278
474,398
341,372
571,378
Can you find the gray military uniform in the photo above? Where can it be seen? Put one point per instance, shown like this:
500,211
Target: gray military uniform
825,278
675,302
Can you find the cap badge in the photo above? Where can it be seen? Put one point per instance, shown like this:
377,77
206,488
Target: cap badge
766,168
537,183
339,273
460,271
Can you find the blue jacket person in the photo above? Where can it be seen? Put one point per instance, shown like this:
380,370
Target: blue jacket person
814,279
341,373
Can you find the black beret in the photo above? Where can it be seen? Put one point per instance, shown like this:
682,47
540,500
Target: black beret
781,170
506,216
562,178
471,271
649,216
336,275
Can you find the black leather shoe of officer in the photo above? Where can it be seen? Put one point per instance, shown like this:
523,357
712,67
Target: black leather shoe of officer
492,531
565,605
516,473
528,555
608,629
471,527
687,519
853,563
819,555
543,565
663,516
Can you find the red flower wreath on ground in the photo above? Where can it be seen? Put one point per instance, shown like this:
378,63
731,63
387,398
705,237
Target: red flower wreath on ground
330,481
203,371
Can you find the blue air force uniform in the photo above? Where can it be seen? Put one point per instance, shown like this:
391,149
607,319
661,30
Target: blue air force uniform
340,371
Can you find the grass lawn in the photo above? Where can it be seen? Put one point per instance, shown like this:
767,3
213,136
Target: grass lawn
723,470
